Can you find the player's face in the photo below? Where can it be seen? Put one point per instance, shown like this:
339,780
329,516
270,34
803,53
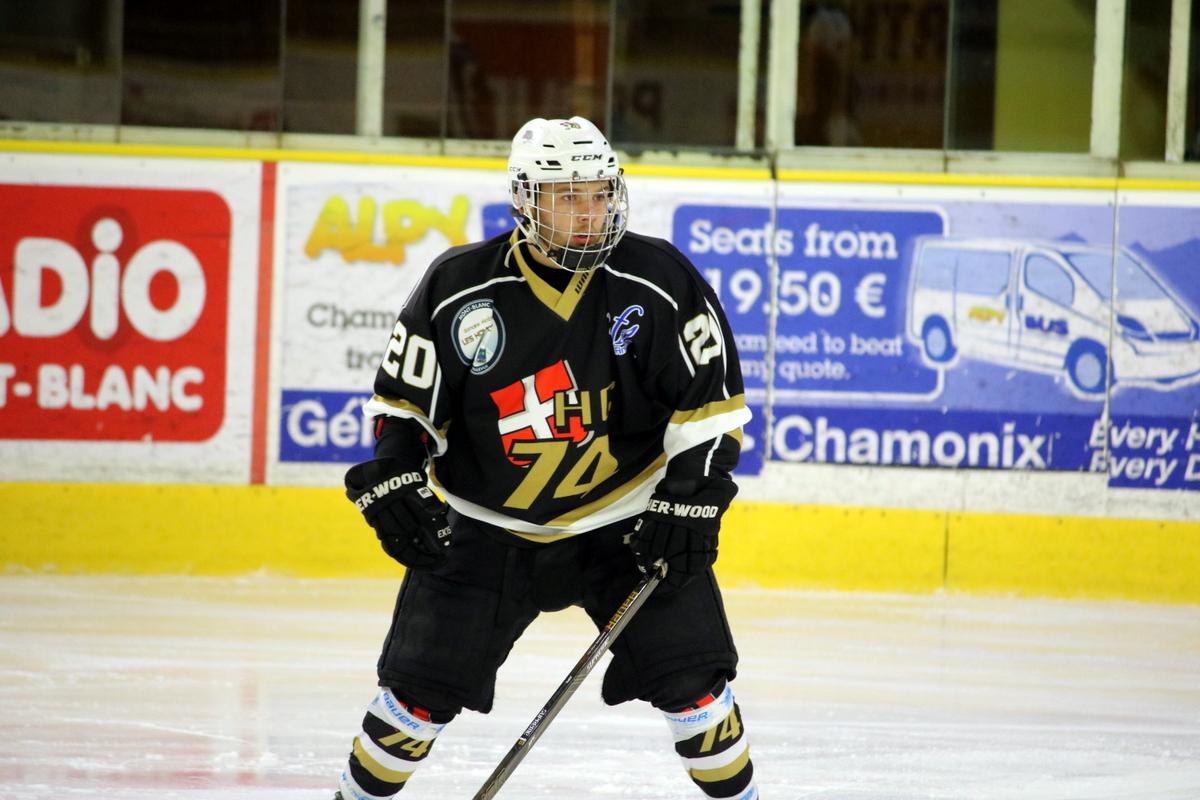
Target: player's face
574,214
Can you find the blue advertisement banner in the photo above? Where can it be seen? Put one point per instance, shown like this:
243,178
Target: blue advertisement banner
973,334
728,244
497,219
1153,436
966,334
919,437
841,292
324,427
1148,452
751,461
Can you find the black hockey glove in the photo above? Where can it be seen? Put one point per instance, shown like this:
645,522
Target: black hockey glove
680,526
407,516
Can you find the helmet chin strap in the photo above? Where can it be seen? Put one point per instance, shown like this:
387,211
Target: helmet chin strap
575,260
533,247
571,260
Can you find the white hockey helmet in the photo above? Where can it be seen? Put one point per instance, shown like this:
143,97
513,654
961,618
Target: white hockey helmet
574,151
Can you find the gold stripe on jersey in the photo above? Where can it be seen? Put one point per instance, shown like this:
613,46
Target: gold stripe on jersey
630,505
625,495
708,410
536,539
561,303
612,497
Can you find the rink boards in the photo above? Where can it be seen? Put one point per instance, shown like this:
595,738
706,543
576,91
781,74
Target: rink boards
225,530
186,336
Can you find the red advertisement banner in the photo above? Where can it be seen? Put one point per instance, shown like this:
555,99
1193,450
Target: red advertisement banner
113,313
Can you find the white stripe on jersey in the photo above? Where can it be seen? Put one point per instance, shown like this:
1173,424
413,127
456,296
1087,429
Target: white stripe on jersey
433,398
375,408
682,346
470,289
630,505
681,436
711,450
645,282
687,360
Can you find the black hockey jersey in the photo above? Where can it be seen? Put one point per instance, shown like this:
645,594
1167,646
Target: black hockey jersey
554,412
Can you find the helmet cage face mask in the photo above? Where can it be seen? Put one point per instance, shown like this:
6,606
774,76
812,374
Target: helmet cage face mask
576,221
568,191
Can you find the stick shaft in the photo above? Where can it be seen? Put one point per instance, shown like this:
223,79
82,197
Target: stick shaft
574,679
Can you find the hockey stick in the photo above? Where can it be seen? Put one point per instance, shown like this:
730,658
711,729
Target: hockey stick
574,679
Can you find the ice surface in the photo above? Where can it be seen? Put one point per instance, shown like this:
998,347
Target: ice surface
120,688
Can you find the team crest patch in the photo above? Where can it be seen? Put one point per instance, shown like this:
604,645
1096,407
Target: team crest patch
623,328
478,333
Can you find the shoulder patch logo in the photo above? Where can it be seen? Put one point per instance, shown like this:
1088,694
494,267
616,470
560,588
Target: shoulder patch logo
623,328
478,333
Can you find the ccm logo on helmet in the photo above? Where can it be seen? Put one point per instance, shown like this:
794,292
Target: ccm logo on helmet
683,509
587,157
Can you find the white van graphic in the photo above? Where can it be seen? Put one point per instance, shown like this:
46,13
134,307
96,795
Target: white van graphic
1048,307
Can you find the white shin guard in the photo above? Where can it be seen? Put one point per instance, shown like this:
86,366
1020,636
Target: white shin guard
710,739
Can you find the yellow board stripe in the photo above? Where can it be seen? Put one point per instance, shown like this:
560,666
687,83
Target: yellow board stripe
230,530
747,173
707,173
347,157
1159,184
987,180
250,154
1075,556
947,179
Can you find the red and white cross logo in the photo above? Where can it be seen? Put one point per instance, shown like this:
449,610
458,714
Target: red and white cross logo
526,408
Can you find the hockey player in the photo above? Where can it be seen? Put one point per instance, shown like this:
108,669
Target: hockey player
572,391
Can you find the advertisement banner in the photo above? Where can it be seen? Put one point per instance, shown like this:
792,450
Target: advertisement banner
1026,319
838,297
351,244
324,426
1153,432
118,282
119,303
723,229
932,326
